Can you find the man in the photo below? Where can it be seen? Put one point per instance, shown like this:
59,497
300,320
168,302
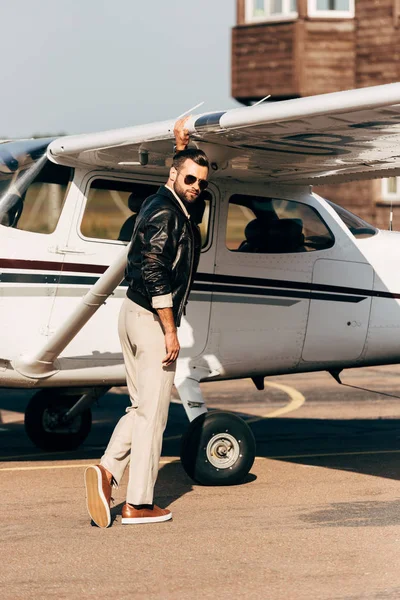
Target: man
162,261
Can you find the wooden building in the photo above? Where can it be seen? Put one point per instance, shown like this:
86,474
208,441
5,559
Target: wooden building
297,48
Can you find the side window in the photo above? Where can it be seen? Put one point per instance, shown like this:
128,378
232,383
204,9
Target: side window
41,205
200,212
274,226
112,206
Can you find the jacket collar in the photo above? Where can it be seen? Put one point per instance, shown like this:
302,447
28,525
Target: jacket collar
164,191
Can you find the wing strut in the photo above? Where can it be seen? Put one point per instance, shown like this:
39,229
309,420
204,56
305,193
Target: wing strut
43,363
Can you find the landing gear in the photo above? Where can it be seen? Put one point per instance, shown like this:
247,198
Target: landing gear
218,449
52,425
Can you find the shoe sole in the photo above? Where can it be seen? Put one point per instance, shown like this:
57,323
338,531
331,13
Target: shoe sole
137,520
96,502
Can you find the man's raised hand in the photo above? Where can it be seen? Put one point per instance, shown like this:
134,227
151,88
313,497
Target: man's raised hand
181,134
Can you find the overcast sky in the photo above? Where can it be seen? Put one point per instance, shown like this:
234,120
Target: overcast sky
87,65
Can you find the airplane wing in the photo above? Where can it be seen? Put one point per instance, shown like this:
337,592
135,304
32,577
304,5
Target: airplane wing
330,138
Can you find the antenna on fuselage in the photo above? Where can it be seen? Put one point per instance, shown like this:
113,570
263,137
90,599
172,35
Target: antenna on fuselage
261,101
187,112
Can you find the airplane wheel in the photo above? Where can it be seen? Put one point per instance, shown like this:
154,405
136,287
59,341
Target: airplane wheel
43,425
218,449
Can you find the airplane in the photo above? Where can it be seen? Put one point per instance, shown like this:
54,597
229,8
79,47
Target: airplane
288,282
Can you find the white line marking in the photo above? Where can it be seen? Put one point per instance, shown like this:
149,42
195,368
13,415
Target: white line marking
175,459
83,466
323,455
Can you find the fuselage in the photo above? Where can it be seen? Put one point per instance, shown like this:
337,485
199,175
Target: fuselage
284,284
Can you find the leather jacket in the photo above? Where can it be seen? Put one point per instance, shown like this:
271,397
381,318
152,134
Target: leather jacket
164,253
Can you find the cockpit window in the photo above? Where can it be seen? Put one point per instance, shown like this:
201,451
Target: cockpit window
44,199
274,226
357,226
32,189
112,206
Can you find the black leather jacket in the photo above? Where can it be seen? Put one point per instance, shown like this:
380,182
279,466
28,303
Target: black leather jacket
164,253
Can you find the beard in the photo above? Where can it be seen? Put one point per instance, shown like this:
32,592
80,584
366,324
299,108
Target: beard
184,194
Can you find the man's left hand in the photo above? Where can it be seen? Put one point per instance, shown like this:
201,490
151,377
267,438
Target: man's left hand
181,134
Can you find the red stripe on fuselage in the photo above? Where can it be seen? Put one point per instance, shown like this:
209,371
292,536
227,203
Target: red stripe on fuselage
47,265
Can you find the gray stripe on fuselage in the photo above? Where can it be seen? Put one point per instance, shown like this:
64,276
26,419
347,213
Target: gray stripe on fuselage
253,300
76,292
47,290
67,291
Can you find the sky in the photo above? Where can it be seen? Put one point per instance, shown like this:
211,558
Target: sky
75,66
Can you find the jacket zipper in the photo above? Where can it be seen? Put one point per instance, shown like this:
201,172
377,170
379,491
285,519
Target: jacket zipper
183,303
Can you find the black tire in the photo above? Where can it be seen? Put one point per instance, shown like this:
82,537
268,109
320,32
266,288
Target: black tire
218,449
44,407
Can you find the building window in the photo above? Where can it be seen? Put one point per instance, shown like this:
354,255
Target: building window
391,188
331,8
270,10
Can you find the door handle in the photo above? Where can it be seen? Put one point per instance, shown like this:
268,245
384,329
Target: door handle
66,250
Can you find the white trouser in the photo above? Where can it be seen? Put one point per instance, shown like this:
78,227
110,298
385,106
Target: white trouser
137,436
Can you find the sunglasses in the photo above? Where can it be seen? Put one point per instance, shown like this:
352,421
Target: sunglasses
191,179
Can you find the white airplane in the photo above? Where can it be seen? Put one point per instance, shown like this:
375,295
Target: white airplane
287,282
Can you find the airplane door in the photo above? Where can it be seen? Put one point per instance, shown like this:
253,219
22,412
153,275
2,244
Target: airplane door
338,321
267,247
30,269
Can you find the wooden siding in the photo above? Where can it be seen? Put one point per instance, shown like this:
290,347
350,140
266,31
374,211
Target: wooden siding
377,42
316,56
359,196
329,57
377,56
264,61
291,59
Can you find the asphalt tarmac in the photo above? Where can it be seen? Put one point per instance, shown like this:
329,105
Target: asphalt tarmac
317,518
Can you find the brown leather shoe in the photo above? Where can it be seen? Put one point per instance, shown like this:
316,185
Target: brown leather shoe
98,495
131,515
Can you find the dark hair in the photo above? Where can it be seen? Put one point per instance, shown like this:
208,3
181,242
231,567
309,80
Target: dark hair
197,156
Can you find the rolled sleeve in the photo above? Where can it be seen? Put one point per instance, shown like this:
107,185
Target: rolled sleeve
164,301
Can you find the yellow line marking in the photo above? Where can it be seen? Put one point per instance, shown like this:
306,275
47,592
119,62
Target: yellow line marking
33,456
42,468
296,401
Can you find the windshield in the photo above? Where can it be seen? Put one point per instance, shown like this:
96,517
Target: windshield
357,226
20,163
32,188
